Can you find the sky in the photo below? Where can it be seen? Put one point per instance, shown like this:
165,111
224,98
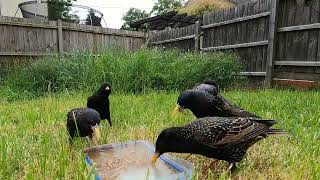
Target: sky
113,10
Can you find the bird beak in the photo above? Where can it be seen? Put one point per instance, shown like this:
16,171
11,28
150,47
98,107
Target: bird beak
96,134
177,109
107,88
155,157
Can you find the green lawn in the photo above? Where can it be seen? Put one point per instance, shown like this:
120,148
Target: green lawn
34,141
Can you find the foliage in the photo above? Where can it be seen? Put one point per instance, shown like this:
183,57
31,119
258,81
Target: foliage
60,9
204,6
131,16
134,72
164,6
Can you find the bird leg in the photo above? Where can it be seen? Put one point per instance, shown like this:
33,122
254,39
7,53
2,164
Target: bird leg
232,167
209,166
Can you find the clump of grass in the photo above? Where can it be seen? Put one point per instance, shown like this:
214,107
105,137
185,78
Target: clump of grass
134,72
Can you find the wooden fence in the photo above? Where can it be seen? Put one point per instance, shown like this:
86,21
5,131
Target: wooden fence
23,38
275,39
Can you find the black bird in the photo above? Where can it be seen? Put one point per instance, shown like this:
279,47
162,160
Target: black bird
208,86
215,137
203,104
84,122
100,101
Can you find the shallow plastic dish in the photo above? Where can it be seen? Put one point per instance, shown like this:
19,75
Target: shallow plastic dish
182,168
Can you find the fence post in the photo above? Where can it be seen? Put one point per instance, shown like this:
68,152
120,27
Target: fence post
197,37
147,38
271,43
60,37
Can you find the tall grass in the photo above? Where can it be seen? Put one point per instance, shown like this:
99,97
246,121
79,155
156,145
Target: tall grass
132,72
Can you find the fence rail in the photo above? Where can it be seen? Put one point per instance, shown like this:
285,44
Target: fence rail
274,38
29,37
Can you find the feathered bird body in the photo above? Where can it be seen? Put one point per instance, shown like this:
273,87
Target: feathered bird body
216,137
203,104
204,100
100,101
85,119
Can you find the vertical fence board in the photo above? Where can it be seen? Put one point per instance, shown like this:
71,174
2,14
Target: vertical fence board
271,45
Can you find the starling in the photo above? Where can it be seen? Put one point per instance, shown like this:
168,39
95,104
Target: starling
215,137
84,122
208,86
100,101
203,104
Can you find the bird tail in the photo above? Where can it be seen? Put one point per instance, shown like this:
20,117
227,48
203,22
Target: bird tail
277,132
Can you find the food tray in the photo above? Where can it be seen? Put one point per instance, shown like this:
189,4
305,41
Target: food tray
182,168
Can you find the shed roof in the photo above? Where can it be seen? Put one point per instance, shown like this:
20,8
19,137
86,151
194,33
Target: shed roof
170,19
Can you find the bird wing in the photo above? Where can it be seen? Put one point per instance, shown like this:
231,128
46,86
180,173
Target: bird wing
209,130
236,110
227,108
220,132
217,104
243,129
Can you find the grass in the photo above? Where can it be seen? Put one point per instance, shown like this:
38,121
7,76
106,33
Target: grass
34,139
129,72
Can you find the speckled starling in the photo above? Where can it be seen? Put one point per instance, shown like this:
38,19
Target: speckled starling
215,137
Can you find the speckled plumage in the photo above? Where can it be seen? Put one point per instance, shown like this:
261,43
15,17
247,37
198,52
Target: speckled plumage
100,101
216,137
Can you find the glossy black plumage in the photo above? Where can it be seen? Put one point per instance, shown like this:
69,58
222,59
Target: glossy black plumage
216,137
208,86
85,118
100,101
204,100
204,104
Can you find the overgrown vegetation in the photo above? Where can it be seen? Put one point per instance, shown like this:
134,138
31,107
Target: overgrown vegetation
130,72
34,140
201,7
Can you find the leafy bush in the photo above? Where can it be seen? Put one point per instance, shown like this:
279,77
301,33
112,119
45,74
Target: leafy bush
135,72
